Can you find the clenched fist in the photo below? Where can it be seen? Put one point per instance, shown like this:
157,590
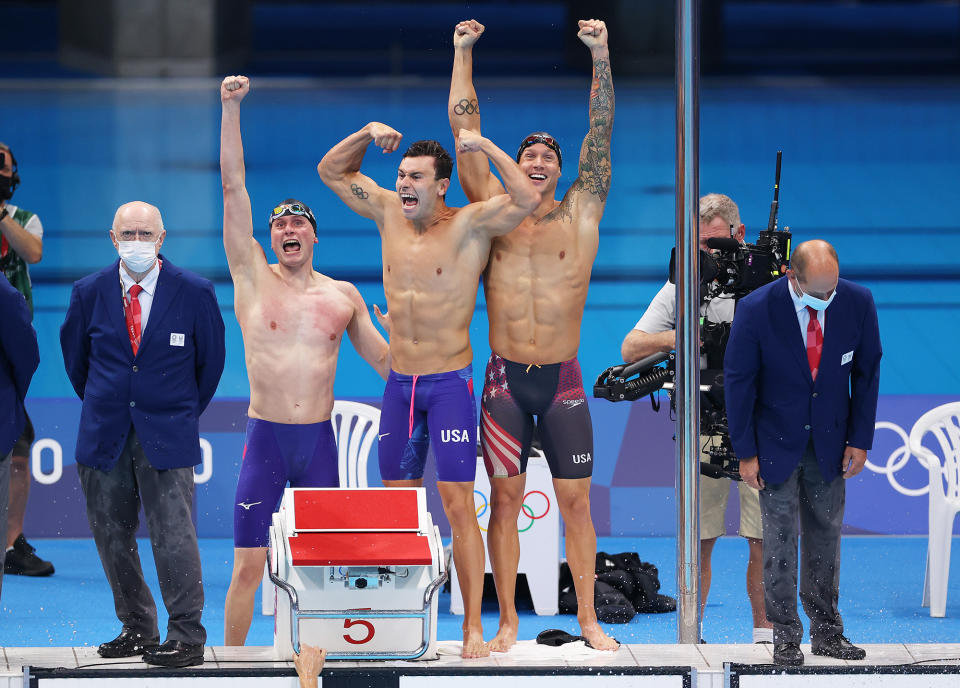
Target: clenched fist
593,32
385,137
234,88
466,33
468,141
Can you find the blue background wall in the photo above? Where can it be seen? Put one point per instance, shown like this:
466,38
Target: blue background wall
869,164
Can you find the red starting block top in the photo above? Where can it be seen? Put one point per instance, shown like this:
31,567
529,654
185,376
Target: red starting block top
360,549
380,510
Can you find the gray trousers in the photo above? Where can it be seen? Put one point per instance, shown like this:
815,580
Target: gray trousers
113,505
820,508
4,503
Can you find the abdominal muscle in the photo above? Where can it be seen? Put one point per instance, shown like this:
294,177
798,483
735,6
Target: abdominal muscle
430,331
535,303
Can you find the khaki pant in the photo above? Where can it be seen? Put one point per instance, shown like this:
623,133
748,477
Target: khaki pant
714,493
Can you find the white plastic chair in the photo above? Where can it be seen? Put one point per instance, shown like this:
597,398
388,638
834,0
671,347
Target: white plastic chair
943,423
355,427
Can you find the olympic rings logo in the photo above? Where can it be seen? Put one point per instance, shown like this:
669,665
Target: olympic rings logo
525,509
898,458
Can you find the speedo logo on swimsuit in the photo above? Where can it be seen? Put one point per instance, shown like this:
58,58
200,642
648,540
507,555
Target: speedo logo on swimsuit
247,506
571,403
455,435
582,458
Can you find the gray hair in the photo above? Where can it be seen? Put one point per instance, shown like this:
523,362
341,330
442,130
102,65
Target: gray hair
718,205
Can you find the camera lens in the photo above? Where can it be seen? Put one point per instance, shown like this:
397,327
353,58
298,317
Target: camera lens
360,583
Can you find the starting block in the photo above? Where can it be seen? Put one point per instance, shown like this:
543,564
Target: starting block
356,572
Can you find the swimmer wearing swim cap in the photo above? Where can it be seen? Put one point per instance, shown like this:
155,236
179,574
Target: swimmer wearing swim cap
292,319
536,287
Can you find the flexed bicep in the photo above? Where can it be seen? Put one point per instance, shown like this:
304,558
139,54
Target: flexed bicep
340,170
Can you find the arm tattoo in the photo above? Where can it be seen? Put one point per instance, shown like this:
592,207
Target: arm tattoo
467,107
359,192
594,175
562,213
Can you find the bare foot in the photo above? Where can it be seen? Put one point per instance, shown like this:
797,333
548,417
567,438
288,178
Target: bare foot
597,638
473,645
505,638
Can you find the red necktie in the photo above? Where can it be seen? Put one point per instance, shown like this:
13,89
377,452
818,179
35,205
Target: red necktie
814,342
131,311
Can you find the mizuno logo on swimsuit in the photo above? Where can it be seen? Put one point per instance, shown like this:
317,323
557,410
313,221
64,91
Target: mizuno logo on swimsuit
247,506
455,435
582,458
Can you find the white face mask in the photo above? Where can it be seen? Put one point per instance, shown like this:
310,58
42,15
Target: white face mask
138,256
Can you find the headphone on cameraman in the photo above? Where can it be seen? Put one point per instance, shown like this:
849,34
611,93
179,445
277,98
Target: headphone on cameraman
15,179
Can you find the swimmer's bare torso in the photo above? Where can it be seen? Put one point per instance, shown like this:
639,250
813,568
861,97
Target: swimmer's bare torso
292,317
432,254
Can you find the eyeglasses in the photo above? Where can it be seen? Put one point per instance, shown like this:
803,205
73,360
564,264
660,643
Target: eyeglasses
547,141
135,235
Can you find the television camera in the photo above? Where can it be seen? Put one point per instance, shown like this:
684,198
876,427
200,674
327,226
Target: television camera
729,270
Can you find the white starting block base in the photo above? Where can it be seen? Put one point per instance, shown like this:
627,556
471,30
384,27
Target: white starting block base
539,527
357,572
643,666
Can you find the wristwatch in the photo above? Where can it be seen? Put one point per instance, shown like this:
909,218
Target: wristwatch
4,213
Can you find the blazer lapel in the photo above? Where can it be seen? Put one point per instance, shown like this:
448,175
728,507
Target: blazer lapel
783,316
168,285
111,292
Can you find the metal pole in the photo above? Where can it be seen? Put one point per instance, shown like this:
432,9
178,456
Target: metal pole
688,320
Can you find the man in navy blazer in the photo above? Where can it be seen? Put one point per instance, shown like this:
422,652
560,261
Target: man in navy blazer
19,358
802,372
143,345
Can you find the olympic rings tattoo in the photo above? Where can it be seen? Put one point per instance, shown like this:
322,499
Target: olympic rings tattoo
467,107
359,192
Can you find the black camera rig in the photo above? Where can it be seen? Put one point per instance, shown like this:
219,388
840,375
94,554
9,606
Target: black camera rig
729,269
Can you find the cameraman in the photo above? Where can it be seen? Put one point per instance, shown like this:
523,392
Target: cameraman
21,243
719,217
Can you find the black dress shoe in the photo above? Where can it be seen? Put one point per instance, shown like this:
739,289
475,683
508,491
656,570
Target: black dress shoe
174,653
787,654
21,560
838,647
127,644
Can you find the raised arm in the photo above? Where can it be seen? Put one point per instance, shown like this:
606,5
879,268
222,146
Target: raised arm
593,179
340,170
502,213
364,336
238,241
478,181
